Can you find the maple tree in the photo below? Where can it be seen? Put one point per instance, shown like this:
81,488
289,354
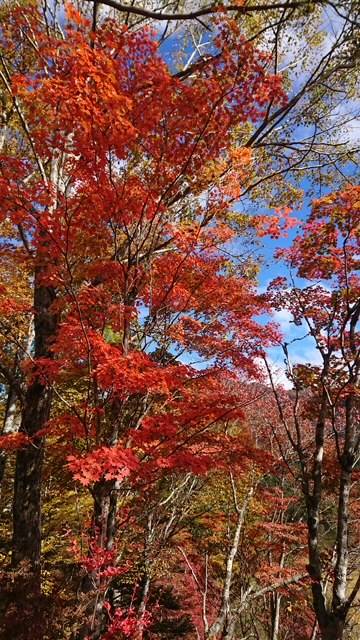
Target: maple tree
131,336
120,223
314,46
321,421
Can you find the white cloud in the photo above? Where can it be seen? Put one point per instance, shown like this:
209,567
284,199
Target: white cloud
283,317
278,372
299,352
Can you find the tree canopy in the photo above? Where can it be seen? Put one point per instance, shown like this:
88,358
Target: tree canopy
157,479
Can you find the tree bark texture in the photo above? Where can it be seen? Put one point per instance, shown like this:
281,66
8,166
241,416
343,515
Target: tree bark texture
36,412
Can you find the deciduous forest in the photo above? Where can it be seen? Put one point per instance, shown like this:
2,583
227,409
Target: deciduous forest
179,320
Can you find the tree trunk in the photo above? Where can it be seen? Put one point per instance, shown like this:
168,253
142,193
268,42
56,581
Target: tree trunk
103,532
347,462
11,425
24,594
142,607
36,412
27,498
334,629
223,626
12,420
275,615
105,507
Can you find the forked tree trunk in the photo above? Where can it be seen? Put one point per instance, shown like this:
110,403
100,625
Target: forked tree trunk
103,532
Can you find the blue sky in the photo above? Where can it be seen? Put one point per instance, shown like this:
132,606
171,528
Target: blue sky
301,346
301,350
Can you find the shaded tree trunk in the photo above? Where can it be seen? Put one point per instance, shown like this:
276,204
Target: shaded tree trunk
36,412
103,532
25,614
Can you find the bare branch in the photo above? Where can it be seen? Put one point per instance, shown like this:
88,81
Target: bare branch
212,9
